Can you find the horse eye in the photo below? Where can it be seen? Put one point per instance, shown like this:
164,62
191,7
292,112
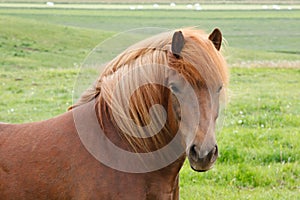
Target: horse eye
220,88
174,89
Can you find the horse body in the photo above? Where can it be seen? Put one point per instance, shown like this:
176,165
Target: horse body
52,160
46,160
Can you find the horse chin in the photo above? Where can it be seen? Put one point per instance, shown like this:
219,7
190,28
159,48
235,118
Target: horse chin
200,170
199,166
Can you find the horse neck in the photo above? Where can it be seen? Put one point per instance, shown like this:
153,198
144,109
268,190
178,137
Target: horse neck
108,126
113,132
169,173
153,143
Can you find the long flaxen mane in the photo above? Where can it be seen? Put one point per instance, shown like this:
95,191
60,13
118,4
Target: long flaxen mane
200,63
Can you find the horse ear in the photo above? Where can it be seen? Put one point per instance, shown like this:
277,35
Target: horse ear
216,38
177,43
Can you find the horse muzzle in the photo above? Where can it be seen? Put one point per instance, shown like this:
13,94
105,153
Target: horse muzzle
202,160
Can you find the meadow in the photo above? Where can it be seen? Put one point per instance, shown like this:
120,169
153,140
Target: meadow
42,49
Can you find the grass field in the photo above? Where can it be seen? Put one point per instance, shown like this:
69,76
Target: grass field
41,51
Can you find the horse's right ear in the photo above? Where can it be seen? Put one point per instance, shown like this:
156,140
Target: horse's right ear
177,43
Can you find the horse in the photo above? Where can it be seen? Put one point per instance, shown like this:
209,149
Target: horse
129,134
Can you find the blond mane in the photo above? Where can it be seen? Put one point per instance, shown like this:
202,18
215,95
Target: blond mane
200,63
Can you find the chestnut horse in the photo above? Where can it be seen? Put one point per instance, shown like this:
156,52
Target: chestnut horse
128,135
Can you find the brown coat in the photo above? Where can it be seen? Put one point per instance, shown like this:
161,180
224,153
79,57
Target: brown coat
46,160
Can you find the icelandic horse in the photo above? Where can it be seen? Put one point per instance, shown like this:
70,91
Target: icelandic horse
174,80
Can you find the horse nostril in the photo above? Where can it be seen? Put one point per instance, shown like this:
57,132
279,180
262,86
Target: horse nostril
214,154
193,153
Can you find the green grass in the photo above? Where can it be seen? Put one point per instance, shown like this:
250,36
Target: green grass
40,55
31,44
259,142
271,31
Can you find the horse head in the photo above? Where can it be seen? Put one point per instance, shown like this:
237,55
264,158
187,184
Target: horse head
162,95
199,89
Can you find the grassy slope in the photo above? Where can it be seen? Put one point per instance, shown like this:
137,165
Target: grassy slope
31,43
260,137
252,35
39,62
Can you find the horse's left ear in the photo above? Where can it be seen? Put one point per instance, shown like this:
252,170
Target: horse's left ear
177,43
216,38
